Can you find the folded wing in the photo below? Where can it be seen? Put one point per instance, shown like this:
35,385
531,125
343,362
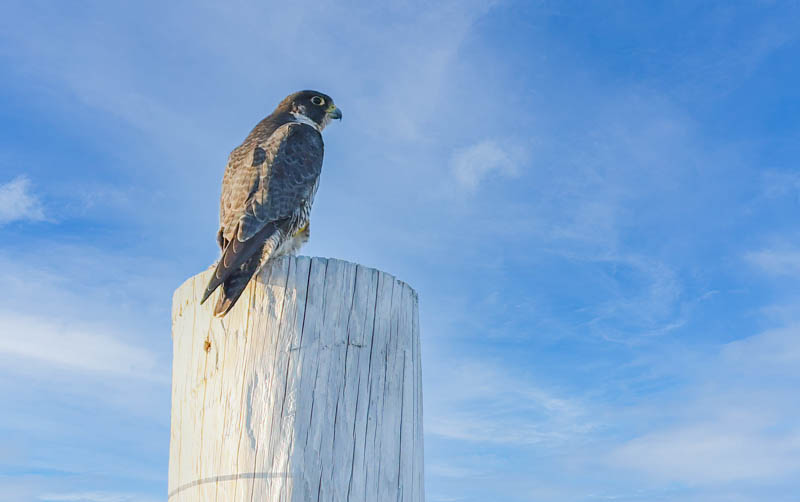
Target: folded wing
279,177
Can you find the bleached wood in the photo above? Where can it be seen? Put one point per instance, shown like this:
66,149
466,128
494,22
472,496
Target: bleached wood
308,390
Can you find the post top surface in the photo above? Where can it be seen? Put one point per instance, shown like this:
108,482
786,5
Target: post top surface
276,274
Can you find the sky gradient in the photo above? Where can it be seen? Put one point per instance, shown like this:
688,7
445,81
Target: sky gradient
596,201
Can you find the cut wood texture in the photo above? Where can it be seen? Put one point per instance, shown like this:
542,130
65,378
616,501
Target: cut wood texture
308,390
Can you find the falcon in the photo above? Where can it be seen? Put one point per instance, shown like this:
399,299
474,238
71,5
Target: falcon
267,191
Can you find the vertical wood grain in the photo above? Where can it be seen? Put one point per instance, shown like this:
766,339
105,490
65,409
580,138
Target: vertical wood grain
308,390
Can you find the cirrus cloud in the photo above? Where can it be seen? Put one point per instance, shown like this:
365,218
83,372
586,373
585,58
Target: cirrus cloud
18,203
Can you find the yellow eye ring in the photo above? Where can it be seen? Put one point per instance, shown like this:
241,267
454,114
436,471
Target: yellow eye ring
318,101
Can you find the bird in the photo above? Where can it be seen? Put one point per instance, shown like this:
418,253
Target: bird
267,191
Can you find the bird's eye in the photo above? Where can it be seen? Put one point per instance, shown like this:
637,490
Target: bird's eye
318,101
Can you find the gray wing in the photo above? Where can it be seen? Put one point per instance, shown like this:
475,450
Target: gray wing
288,179
282,180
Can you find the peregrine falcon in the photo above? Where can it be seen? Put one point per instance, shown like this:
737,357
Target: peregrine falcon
267,192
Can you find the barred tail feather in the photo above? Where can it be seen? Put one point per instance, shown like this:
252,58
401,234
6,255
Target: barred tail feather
233,287
239,263
235,255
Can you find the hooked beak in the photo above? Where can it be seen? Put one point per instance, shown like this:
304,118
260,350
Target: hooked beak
334,112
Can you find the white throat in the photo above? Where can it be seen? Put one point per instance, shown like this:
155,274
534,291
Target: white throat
302,119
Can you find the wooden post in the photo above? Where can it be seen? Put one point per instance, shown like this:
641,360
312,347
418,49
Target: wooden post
308,390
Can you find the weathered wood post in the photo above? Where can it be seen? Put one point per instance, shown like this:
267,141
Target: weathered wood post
308,390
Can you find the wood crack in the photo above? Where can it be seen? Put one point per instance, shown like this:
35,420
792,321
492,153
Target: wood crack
303,397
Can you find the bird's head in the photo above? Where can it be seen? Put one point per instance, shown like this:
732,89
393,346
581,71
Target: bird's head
311,106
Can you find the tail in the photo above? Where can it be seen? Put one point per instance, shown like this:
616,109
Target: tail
238,263
233,287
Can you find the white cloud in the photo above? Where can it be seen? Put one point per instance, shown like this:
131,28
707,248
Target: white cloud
778,184
472,165
477,401
94,497
775,351
777,261
451,471
444,498
652,308
86,311
17,203
72,346
736,420
713,452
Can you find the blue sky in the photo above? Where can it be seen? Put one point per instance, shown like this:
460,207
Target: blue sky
596,201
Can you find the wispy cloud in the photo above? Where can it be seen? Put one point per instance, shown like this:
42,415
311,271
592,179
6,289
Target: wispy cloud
626,212
71,346
653,308
94,497
480,402
18,202
778,262
773,350
734,421
444,498
93,324
712,453
781,184
486,159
